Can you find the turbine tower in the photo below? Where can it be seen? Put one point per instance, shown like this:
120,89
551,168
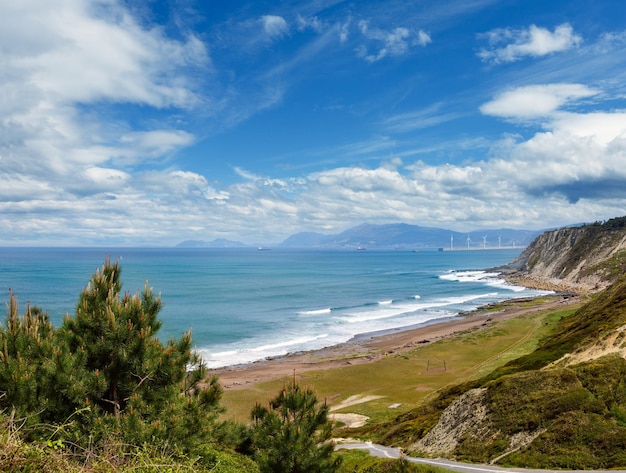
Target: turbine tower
484,242
499,241
468,241
451,241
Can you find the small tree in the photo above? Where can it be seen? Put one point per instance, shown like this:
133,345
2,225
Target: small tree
292,435
150,389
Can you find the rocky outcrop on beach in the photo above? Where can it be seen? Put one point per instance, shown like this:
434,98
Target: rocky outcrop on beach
580,259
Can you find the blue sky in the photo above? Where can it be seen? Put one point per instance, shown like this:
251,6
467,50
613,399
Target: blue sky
152,122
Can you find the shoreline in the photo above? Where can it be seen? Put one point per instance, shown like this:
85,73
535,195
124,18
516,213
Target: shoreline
366,348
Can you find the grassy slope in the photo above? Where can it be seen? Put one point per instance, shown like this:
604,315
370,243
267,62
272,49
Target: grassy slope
581,408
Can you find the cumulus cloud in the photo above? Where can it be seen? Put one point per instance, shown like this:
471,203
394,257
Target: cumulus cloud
69,55
395,42
59,61
274,26
69,159
579,154
74,171
535,101
509,45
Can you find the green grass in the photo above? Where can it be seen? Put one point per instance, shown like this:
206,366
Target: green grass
414,376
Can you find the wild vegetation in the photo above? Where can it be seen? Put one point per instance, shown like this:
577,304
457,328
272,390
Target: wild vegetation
540,410
102,393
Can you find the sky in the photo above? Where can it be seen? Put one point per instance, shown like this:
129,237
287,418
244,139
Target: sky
150,122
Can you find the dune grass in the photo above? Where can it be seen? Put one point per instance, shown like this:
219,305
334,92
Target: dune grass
405,380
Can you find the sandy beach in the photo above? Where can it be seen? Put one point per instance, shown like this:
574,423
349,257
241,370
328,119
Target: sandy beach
368,348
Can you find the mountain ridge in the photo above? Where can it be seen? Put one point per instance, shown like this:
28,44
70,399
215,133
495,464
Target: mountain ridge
389,236
394,235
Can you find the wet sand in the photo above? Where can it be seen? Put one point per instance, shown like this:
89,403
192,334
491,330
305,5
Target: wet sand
370,347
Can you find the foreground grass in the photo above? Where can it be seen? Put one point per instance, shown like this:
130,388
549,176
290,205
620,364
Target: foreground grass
406,380
19,456
360,461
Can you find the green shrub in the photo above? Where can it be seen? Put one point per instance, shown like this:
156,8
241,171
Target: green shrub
292,434
104,377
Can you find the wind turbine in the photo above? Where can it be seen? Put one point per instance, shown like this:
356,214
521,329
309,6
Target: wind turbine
451,241
468,241
499,241
484,242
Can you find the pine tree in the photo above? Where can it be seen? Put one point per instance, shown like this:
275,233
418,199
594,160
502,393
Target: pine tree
292,435
39,378
152,391
104,375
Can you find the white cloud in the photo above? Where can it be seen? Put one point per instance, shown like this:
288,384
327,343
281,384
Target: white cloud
213,194
274,26
60,62
534,42
535,101
313,23
344,31
395,42
73,171
70,55
140,146
424,118
603,127
103,176
580,154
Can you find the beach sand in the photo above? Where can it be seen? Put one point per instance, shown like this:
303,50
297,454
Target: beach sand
368,348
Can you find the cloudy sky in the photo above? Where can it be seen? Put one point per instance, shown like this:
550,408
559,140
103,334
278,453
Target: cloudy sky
152,122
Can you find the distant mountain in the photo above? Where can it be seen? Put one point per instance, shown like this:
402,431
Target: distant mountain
402,235
218,243
307,239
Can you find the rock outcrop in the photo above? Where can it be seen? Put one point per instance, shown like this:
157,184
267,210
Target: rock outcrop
466,414
577,259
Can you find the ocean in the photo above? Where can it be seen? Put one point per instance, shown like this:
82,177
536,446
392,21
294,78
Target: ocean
245,305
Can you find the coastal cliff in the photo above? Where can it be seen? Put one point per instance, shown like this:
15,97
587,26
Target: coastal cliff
558,406
580,259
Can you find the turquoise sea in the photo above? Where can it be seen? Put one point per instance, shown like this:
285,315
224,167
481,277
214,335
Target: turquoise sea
244,305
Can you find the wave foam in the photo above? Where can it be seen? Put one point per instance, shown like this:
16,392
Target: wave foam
327,310
252,353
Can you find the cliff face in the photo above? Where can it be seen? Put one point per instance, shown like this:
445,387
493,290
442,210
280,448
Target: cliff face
578,259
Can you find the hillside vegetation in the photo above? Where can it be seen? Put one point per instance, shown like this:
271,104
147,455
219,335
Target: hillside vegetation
564,404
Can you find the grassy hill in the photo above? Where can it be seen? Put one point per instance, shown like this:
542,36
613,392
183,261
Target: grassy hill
561,406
